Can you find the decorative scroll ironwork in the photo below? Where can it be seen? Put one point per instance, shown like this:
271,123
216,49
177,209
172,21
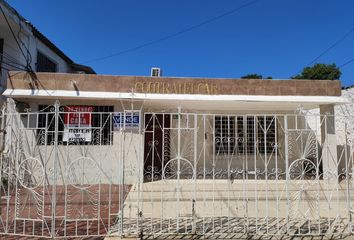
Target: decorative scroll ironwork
285,184
275,175
54,187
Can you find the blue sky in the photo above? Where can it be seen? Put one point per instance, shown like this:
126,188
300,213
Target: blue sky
271,37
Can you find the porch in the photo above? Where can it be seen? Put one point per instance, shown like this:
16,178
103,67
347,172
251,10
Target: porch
152,164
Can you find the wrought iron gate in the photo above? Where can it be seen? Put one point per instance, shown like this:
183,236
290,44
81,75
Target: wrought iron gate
226,174
61,173
176,173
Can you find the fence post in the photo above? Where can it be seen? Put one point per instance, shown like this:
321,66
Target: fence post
2,147
287,173
195,160
141,161
178,193
56,122
347,175
122,172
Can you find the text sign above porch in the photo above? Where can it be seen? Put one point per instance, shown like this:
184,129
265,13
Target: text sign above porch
176,88
169,85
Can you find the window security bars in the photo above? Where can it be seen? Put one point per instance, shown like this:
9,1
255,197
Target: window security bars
230,131
100,124
44,64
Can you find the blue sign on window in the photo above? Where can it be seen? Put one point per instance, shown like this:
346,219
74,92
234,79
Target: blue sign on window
126,120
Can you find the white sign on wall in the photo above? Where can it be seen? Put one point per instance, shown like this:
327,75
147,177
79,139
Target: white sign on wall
77,124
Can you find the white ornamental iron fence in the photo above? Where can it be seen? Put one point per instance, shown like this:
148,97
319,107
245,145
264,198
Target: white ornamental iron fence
78,171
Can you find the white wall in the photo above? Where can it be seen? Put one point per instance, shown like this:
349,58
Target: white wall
346,110
102,163
344,114
343,139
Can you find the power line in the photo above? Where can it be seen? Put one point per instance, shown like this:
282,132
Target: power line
341,39
7,69
346,63
29,56
174,34
332,46
6,57
13,66
13,34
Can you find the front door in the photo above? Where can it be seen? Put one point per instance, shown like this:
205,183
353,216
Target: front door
156,146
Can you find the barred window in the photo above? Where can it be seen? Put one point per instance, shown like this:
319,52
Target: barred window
251,134
266,134
44,64
224,134
98,133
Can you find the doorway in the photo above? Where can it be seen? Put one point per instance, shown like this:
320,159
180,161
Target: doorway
156,145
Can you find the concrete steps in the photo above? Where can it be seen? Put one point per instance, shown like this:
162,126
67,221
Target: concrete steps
216,198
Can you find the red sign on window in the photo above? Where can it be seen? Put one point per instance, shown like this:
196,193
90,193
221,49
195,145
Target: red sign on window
81,116
77,121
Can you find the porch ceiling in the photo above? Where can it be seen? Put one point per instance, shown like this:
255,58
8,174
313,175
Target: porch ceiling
229,105
186,101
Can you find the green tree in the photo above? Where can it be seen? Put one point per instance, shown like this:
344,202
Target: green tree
255,76
252,76
320,71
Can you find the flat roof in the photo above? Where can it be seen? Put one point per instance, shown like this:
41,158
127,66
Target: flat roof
169,92
171,85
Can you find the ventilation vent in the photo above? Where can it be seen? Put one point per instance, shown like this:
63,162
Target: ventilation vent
155,72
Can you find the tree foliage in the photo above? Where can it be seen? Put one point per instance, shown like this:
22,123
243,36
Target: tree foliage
320,71
254,76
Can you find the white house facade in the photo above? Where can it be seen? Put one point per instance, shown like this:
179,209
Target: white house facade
162,155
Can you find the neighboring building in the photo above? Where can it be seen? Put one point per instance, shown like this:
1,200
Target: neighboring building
348,92
341,111
38,53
